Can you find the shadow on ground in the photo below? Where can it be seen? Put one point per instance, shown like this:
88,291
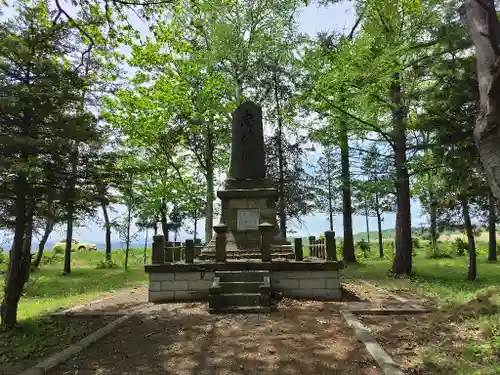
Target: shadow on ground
183,339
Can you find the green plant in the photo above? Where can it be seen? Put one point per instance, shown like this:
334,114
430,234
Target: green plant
460,246
58,249
103,264
415,242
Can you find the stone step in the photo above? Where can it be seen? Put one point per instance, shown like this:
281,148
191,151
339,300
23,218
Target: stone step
238,299
278,250
241,276
241,310
240,287
289,256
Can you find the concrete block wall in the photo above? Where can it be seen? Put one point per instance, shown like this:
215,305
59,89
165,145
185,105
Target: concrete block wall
194,286
320,285
179,286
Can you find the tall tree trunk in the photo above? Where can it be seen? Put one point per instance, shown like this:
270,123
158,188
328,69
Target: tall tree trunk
70,211
49,227
472,272
367,226
209,162
483,26
127,244
28,236
163,218
330,189
281,162
107,227
348,249
403,258
379,227
195,225
433,229
14,281
146,246
492,219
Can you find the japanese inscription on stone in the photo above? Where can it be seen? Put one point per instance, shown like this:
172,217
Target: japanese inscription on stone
247,146
248,219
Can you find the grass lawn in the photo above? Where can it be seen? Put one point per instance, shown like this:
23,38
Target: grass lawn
48,290
462,303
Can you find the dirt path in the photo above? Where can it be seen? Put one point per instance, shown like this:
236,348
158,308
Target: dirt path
183,339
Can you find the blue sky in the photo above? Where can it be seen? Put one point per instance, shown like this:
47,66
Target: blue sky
339,17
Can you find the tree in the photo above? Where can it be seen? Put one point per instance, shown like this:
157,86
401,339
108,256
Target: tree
39,119
326,175
482,23
375,192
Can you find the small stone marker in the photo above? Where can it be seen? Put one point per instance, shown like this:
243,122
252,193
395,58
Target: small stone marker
312,251
266,233
220,242
158,256
331,246
189,255
299,255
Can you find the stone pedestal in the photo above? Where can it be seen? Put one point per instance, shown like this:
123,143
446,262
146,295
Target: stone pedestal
243,209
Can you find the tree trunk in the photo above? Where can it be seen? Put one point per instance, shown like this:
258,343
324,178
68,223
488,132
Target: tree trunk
70,212
379,226
492,219
348,249
49,227
127,244
281,162
403,258
28,236
163,218
146,246
107,227
472,272
367,226
330,189
433,229
195,225
483,26
209,162
14,281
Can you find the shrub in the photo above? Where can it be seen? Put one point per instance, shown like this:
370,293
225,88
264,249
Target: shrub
3,256
103,264
460,247
415,242
58,249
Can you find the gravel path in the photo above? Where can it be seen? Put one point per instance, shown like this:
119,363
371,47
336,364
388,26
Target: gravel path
183,339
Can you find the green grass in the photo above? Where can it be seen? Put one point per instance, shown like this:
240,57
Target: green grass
444,281
48,290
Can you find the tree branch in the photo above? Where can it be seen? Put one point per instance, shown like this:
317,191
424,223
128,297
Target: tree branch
376,128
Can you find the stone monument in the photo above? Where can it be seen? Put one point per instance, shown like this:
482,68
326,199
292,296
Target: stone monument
248,198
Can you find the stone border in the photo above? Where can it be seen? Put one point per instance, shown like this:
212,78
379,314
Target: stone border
72,310
245,266
385,362
49,363
362,333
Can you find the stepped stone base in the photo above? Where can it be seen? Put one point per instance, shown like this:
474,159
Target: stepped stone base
193,282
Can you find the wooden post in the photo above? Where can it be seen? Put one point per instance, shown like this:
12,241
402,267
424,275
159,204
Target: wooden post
299,255
266,238
312,239
169,252
220,242
189,251
158,256
331,246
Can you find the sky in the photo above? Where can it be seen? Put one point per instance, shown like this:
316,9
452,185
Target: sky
312,19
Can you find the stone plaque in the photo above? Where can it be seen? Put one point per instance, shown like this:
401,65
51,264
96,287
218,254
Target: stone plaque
248,219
